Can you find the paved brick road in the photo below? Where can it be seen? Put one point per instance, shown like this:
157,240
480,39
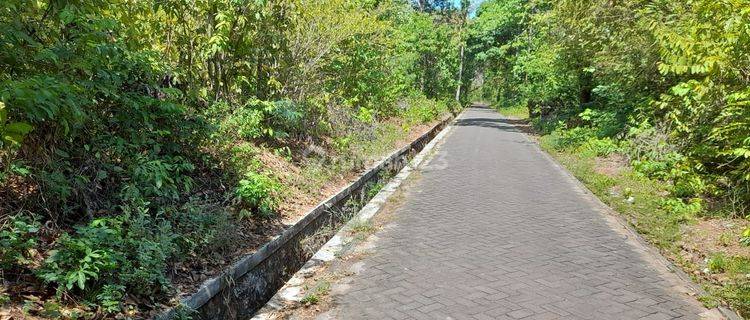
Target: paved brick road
494,230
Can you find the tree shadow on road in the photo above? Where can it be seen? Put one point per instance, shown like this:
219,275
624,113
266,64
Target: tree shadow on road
508,125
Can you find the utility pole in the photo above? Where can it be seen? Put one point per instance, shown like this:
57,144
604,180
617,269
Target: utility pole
464,15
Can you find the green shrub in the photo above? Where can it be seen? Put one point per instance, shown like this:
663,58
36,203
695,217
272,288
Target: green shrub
246,123
689,185
514,111
257,119
12,134
201,230
420,110
593,137
80,260
605,123
682,210
109,256
599,147
165,177
663,169
717,264
561,138
110,298
147,245
258,192
365,115
342,144
285,117
16,240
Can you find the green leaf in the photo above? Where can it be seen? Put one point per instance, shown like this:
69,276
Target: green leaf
681,89
81,280
62,153
101,174
18,128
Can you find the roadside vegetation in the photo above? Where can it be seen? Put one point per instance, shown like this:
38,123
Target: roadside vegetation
514,111
146,144
648,103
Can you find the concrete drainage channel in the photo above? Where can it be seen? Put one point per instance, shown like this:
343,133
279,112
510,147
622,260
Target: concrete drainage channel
343,243
242,289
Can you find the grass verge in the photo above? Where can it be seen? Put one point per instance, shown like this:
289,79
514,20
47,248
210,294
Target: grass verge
517,112
705,244
723,273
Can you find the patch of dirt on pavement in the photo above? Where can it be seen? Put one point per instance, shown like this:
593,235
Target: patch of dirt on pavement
610,165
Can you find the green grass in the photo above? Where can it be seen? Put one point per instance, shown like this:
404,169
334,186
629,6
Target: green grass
518,112
645,213
388,136
314,296
659,226
362,227
316,173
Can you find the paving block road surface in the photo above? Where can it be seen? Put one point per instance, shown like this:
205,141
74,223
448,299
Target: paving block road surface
493,229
